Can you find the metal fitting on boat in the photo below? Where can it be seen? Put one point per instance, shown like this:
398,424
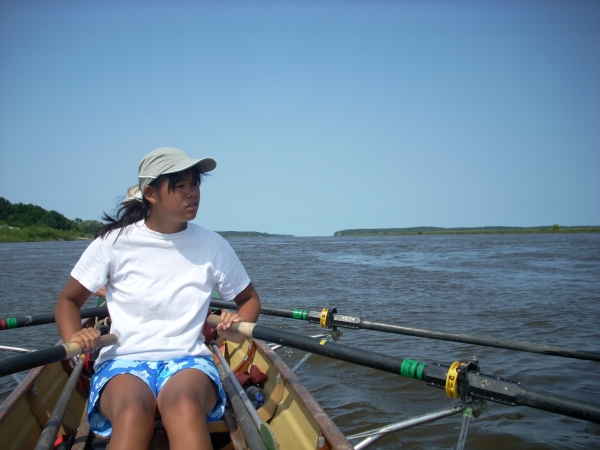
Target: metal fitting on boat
452,381
326,320
478,405
336,335
324,315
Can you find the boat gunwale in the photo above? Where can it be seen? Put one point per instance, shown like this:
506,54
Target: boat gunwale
24,385
19,391
327,427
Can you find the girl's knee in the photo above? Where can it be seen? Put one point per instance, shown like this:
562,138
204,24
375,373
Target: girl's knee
192,390
185,413
134,413
181,402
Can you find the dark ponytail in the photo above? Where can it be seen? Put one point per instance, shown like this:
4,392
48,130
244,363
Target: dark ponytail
126,215
136,210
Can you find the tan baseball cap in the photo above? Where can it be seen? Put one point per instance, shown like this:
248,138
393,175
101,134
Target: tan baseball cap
167,160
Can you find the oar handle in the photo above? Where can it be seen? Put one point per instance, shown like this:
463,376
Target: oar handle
49,355
244,328
73,349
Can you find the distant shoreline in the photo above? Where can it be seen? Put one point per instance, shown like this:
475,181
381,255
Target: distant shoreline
40,234
246,234
46,234
551,229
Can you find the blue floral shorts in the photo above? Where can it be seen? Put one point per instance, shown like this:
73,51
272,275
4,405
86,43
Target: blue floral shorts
155,374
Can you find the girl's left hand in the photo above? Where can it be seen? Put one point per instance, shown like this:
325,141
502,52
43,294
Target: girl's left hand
228,318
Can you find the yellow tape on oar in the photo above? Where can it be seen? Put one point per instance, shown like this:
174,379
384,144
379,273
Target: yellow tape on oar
452,381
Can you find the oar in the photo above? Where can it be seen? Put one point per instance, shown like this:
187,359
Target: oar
15,349
42,319
48,436
242,416
456,379
46,356
266,433
328,319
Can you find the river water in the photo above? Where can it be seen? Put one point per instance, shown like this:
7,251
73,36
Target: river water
530,287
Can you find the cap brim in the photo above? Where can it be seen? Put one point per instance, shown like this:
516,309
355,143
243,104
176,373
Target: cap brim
204,165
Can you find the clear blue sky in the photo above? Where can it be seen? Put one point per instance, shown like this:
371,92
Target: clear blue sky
322,116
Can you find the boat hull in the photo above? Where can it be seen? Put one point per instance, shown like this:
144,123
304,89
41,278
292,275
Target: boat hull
295,417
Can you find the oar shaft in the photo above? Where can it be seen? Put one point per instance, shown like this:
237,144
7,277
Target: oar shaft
480,340
46,441
238,387
487,387
15,349
42,319
46,356
344,321
242,416
266,310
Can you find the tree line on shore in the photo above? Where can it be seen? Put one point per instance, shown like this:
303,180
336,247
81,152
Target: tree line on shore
30,223
26,222
240,234
465,230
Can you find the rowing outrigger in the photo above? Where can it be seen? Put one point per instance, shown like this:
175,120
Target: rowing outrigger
290,418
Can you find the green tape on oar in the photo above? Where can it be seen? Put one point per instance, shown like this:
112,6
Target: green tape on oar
300,314
268,436
412,369
13,322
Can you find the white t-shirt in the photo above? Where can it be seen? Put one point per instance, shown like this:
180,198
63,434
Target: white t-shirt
158,288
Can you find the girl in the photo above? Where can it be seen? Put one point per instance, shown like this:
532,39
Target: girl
159,271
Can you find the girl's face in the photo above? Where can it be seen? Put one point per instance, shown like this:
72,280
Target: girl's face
170,210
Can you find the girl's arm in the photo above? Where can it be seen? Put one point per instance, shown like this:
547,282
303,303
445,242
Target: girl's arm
68,319
248,310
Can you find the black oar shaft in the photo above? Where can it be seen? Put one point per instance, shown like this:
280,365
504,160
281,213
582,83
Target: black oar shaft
238,387
553,403
241,413
345,321
28,361
482,386
48,436
42,319
481,340
277,312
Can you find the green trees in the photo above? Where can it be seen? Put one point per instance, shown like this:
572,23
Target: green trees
36,219
89,226
475,230
23,216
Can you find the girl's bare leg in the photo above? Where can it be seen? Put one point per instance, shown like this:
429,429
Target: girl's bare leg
130,406
184,402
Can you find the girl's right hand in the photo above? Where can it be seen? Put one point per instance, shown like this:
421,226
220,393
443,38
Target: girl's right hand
87,338
224,330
